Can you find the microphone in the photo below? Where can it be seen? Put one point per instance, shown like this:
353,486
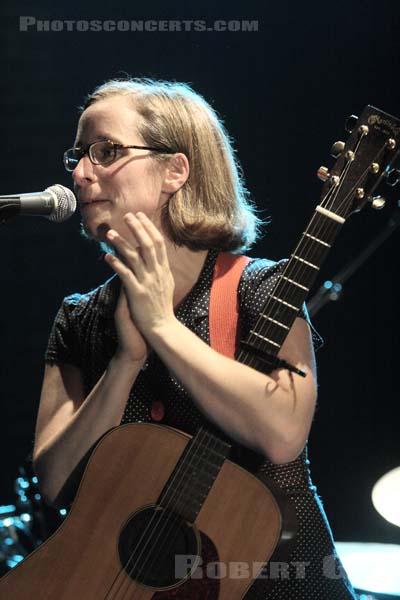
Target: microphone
56,203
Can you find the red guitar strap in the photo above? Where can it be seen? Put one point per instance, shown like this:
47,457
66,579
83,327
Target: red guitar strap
224,310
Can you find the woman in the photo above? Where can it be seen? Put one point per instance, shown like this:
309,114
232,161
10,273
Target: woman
158,185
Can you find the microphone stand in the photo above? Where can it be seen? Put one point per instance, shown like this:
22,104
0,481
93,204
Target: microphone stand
332,290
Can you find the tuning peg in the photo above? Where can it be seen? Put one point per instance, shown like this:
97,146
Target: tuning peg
323,174
392,177
351,122
378,202
337,149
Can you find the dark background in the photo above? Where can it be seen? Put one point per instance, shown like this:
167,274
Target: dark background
284,93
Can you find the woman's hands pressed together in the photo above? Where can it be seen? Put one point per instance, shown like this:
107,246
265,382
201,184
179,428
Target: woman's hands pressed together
148,285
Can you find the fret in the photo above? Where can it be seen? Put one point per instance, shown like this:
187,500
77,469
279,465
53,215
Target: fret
302,273
323,229
312,250
307,259
296,283
257,344
281,311
315,239
306,262
268,337
293,294
274,321
296,308
264,338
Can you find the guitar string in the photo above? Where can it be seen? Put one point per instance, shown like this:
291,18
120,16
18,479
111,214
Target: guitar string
168,540
185,465
165,536
337,191
145,532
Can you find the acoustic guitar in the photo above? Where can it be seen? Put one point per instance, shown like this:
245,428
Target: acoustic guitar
160,515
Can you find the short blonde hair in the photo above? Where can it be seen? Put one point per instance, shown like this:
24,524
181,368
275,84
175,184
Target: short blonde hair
213,209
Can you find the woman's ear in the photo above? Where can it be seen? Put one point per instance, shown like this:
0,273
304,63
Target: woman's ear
176,173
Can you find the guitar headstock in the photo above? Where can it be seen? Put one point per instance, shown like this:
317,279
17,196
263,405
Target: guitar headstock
369,158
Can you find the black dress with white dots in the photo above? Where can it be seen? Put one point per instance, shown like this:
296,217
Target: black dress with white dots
84,335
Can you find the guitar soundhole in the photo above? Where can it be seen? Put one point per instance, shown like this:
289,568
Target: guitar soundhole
153,546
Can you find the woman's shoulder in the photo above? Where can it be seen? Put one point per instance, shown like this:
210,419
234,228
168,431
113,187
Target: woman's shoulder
260,272
101,299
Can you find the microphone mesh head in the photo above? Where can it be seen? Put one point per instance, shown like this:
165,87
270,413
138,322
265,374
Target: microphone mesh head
64,203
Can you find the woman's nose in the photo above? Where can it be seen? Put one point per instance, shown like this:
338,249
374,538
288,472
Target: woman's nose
84,172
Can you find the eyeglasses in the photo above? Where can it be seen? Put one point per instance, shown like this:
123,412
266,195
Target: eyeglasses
101,153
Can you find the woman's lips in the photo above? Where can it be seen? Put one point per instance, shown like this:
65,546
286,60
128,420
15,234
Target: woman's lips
89,203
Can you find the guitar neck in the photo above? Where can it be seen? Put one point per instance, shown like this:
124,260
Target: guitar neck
286,299
369,157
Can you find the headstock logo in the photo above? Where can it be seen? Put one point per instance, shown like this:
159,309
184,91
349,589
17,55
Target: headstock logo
384,124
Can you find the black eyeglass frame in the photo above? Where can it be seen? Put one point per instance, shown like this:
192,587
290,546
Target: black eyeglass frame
81,152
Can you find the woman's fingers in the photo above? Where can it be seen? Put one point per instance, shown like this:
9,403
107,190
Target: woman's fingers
153,233
130,254
150,240
146,250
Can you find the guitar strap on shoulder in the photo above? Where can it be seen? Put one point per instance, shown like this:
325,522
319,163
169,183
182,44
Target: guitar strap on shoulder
224,309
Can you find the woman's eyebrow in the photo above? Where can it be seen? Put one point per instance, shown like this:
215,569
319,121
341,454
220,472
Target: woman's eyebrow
98,138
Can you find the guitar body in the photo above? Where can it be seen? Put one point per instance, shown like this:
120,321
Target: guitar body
239,522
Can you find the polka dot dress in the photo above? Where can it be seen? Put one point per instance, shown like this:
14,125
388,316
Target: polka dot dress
84,335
